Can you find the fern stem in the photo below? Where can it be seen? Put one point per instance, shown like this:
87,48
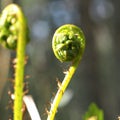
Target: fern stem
19,73
61,90
14,35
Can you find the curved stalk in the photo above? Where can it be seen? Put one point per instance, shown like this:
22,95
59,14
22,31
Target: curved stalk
14,35
61,90
19,74
68,45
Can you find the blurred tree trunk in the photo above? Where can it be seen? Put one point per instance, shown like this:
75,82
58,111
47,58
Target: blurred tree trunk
102,69
4,67
90,52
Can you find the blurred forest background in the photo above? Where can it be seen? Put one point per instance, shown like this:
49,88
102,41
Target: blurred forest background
98,77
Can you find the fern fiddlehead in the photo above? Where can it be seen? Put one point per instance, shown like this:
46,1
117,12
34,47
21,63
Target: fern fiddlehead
68,45
9,27
14,35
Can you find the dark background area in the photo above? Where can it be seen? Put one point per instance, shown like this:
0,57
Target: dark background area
97,79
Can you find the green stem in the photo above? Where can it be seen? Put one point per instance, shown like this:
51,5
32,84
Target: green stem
14,35
20,31
62,89
19,74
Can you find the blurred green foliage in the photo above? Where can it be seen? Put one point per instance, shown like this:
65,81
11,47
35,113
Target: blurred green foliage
93,113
